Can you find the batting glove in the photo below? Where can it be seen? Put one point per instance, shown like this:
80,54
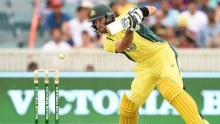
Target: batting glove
135,17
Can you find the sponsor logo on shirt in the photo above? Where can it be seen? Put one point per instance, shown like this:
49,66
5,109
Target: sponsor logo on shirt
132,47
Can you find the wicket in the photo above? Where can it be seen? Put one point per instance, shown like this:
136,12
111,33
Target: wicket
46,85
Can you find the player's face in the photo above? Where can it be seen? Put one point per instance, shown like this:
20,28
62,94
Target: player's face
192,7
57,9
100,24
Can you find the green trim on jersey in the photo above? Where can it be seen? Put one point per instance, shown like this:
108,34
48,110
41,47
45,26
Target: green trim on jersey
146,33
128,56
176,55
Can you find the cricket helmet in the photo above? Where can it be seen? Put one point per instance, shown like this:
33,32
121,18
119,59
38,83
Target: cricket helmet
101,10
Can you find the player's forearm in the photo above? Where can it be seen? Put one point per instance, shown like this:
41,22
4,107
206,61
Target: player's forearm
126,41
148,10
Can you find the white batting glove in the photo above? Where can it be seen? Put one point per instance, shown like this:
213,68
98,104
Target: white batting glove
136,10
136,28
136,17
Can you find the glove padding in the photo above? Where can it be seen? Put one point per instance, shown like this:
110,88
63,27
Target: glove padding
135,17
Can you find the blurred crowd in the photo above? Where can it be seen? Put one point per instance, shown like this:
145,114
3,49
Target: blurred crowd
183,23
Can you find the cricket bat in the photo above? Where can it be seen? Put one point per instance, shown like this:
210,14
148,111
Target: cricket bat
118,25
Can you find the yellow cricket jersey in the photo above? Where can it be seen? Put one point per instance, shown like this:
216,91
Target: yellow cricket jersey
144,45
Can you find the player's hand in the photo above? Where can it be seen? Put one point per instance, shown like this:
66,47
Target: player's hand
136,28
137,11
135,17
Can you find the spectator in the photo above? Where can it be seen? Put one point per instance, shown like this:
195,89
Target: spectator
65,28
204,5
86,40
45,9
195,18
114,6
80,24
209,30
214,42
48,3
181,28
161,32
32,66
170,15
57,17
158,27
154,3
90,68
87,5
149,21
187,42
178,5
186,1
218,13
57,43
185,36
124,6
171,37
99,39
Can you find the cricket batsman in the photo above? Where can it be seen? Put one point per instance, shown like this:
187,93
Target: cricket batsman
156,64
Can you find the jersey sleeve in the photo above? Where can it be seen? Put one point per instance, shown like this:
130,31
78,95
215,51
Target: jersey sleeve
109,44
110,40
